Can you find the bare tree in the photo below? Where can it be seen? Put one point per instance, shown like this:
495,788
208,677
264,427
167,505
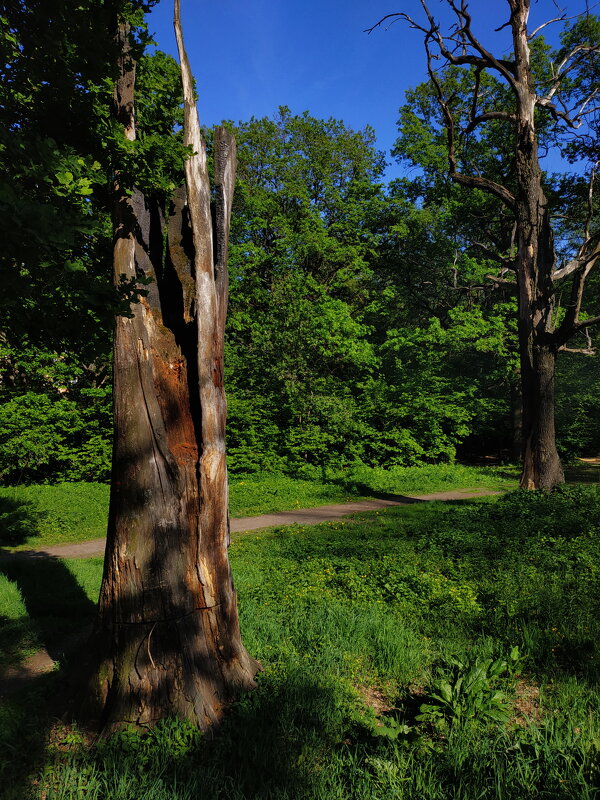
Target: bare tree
534,261
167,638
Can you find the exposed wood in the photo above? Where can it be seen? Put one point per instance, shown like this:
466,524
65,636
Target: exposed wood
167,639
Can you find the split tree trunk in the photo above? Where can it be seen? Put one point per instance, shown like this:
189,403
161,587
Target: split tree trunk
167,633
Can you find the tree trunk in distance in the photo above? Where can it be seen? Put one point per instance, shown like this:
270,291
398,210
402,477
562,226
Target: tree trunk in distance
167,639
516,409
535,264
541,463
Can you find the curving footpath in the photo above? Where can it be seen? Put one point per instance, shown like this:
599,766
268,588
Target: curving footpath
15,678
302,516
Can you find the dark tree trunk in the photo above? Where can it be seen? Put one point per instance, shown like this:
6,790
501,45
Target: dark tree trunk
538,348
167,637
516,409
541,464
535,264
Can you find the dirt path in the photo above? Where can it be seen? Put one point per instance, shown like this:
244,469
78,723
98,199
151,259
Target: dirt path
302,516
15,678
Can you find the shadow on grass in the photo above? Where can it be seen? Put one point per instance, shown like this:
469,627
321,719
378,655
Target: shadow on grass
56,604
57,611
364,489
583,473
275,742
19,521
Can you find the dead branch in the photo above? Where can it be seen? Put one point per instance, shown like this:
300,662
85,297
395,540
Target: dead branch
475,121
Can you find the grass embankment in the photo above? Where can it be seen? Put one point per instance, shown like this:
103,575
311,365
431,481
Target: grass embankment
431,651
40,515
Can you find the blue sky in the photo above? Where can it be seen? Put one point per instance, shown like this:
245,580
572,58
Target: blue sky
249,57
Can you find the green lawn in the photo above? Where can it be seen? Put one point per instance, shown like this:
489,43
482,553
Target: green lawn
39,515
431,651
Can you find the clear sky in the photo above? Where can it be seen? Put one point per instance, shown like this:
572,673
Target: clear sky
251,56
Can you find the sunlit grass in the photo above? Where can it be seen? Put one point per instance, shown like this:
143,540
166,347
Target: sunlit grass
356,622
40,515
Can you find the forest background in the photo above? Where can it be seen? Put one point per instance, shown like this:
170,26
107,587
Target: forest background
364,326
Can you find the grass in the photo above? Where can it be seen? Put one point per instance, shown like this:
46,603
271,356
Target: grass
430,651
41,515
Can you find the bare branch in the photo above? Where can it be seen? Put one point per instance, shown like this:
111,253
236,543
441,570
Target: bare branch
586,351
485,185
582,110
571,324
475,121
485,59
563,69
545,25
394,17
505,68
472,181
562,18
579,262
590,350
587,323
588,252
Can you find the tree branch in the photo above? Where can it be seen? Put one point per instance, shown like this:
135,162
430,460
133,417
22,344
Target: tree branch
472,181
505,68
586,323
562,18
475,121
589,250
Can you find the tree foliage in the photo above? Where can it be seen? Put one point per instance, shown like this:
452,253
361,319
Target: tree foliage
369,323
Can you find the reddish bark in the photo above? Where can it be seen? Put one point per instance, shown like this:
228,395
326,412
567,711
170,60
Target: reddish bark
167,636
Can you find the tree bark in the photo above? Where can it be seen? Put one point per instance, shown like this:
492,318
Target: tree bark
535,265
516,409
167,638
541,464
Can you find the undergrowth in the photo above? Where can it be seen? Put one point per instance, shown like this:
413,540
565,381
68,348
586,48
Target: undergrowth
431,651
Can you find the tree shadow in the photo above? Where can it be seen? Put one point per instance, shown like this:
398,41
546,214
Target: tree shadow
57,611
583,473
55,602
272,744
365,490
19,521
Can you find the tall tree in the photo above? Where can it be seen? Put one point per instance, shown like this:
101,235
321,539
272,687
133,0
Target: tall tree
564,93
303,238
167,637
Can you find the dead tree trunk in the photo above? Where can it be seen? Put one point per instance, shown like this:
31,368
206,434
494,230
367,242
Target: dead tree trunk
167,635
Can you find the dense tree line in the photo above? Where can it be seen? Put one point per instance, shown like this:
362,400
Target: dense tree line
368,323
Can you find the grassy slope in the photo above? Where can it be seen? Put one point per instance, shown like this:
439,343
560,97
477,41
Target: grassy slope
354,622
41,515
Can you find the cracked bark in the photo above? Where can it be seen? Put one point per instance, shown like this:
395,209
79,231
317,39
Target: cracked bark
167,639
